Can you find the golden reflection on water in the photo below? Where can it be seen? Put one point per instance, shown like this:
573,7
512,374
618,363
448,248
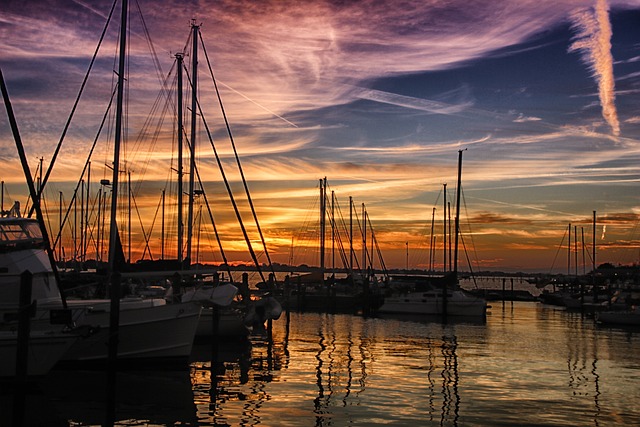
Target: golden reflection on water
323,373
528,365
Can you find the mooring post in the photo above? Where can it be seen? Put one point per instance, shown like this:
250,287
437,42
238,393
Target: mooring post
24,327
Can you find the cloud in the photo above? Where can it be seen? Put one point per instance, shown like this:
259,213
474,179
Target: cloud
593,40
523,119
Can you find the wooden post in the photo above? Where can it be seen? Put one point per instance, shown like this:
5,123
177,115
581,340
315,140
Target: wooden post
24,327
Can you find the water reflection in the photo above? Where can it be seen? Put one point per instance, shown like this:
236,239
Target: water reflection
528,365
450,378
80,397
334,370
582,362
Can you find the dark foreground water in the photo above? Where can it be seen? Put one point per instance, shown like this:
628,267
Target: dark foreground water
529,364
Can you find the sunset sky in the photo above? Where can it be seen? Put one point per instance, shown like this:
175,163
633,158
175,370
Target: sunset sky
376,96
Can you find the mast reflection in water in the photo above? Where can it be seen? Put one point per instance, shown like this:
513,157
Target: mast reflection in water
527,365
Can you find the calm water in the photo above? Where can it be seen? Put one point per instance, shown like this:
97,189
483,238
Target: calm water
529,364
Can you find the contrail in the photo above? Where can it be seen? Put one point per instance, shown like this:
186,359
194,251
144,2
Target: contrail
408,101
593,40
258,104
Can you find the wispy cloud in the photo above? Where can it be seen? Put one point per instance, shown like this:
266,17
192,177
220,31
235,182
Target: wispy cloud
593,39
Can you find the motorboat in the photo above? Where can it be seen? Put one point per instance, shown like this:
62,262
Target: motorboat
149,329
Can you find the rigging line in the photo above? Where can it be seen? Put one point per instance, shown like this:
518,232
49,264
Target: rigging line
73,109
152,49
90,237
213,223
466,253
558,251
301,234
473,243
336,237
235,152
228,187
95,141
144,233
375,241
164,94
152,135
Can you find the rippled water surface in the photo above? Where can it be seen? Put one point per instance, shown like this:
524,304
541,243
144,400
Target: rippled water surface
529,364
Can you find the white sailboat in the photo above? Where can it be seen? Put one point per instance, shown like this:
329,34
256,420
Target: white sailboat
430,301
438,296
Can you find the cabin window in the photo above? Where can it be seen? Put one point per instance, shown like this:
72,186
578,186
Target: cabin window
20,232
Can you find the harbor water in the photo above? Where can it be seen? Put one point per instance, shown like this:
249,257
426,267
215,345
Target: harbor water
528,364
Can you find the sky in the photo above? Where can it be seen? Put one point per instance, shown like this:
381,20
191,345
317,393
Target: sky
378,97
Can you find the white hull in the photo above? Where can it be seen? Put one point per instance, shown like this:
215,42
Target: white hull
160,332
431,303
45,350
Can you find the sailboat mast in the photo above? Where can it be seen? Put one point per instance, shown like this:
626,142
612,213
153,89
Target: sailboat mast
431,241
192,160
323,189
113,231
179,58
594,242
351,235
162,232
363,266
569,251
444,230
333,232
457,220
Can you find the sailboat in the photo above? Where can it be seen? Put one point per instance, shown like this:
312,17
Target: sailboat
132,329
438,296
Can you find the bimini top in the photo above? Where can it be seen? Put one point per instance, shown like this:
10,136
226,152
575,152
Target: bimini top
19,233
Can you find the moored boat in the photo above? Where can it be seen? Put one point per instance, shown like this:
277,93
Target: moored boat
149,328
441,296
630,317
45,349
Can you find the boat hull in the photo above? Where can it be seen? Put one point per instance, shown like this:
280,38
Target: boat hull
629,318
230,324
45,350
154,333
431,304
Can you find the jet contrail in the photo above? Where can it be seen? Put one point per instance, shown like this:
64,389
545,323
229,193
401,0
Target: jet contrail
593,40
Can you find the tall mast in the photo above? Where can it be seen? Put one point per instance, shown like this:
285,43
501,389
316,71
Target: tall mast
323,188
162,232
444,230
364,239
575,248
351,235
333,232
457,220
594,242
569,251
113,229
86,213
431,241
180,57
192,160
